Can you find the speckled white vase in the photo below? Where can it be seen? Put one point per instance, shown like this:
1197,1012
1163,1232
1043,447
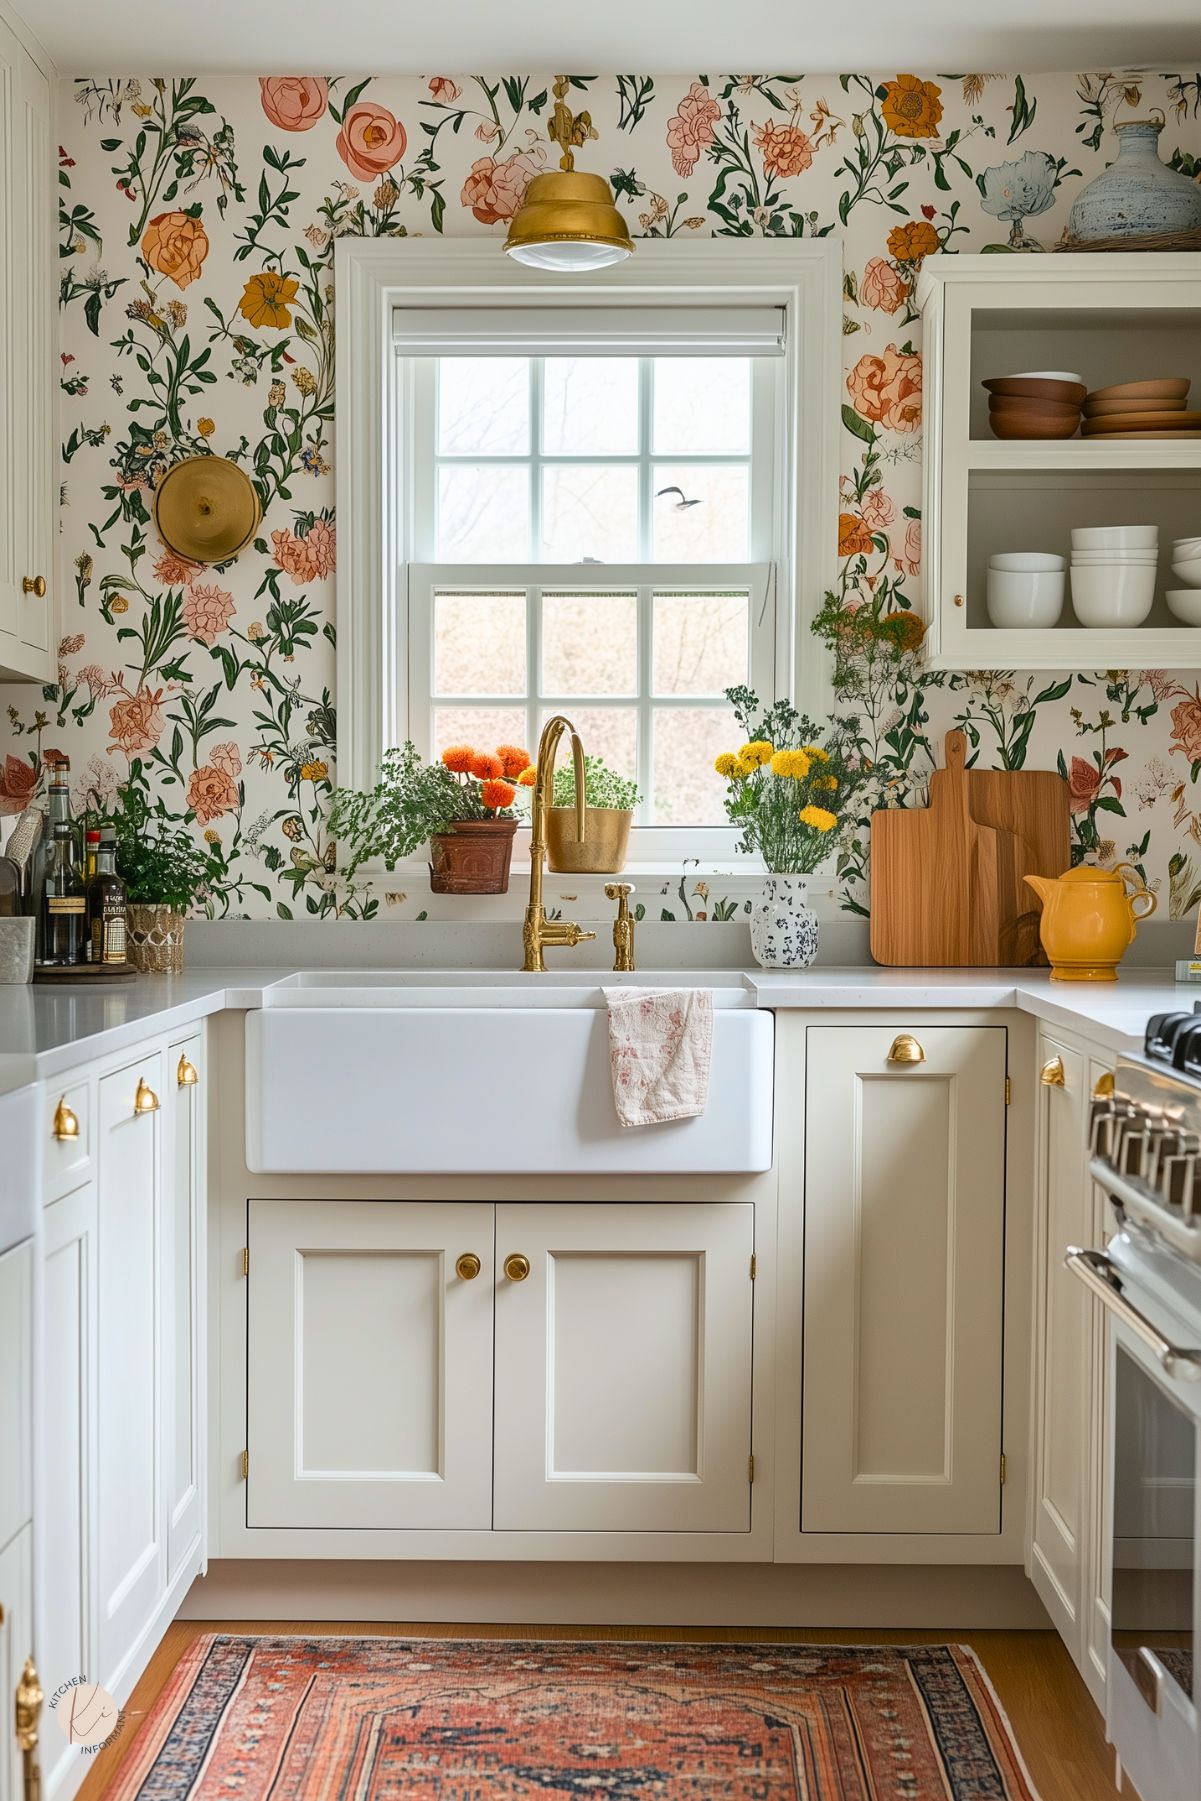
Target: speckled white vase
1138,194
783,924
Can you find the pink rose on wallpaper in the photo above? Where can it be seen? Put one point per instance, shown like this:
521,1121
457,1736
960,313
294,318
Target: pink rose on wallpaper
496,191
690,128
887,389
227,757
307,559
211,792
444,89
1186,727
372,140
877,510
175,571
1083,783
207,610
321,547
136,723
880,286
290,554
18,780
294,102
785,148
487,131
912,553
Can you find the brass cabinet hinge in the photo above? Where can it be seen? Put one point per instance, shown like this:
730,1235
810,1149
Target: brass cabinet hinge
245,1259
1002,1469
1008,1091
750,1467
245,1466
754,1265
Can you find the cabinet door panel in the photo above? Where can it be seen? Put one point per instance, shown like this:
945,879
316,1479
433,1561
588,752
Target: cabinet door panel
16,1644
904,1272
132,1555
370,1364
16,1389
623,1368
181,1308
12,205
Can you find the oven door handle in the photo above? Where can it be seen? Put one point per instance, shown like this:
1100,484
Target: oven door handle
1103,1278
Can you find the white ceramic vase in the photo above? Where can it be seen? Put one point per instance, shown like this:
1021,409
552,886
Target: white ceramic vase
783,924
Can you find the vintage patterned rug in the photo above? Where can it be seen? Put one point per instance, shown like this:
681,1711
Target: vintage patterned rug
391,1719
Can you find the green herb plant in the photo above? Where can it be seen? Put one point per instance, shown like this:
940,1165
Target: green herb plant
603,787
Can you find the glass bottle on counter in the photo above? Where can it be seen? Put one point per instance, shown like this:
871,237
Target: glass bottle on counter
105,897
58,812
63,906
91,855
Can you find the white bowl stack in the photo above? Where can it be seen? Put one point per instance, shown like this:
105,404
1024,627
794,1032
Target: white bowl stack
1113,574
1185,603
1025,589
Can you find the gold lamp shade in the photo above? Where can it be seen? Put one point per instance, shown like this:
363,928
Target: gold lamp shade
206,509
569,222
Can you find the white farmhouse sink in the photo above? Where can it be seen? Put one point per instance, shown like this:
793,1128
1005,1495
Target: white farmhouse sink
484,1072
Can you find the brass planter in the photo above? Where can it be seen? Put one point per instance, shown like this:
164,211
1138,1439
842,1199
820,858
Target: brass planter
155,939
474,858
604,847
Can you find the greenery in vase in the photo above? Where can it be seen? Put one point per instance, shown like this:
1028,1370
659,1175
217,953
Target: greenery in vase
159,860
603,787
413,800
786,791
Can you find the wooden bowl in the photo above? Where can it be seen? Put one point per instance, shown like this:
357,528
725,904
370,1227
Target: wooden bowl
1028,387
1152,420
1010,422
1038,409
1111,409
1173,387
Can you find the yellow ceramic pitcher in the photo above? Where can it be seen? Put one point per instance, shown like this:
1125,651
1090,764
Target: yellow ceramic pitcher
1089,918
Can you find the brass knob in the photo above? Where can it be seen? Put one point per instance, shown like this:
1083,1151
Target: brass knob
145,1100
66,1124
28,1709
905,1049
517,1267
958,600
34,584
187,1074
1104,1086
1051,1074
468,1266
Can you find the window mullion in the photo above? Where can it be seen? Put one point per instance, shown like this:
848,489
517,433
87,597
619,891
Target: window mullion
646,629
535,475
533,652
645,495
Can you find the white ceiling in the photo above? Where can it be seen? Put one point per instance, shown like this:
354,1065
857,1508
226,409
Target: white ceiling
137,37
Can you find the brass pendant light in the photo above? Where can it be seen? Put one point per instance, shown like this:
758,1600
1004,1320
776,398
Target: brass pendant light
570,220
206,509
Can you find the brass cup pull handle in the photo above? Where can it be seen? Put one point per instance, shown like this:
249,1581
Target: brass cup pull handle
187,1075
468,1266
1104,1086
517,1267
1051,1074
34,584
66,1123
145,1100
905,1049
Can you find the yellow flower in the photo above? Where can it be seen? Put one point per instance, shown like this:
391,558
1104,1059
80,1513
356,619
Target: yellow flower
118,604
755,754
528,776
206,427
265,299
792,763
818,818
816,751
728,765
211,837
827,781
314,772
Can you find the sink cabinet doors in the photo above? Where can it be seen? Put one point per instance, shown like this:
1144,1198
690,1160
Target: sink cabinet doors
601,1383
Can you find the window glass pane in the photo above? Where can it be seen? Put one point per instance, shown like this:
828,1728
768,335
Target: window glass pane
479,643
714,527
590,406
589,510
481,727
701,642
685,787
702,405
483,405
589,644
608,732
483,512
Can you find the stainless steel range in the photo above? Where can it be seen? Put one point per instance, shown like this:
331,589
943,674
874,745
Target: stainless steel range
1145,1144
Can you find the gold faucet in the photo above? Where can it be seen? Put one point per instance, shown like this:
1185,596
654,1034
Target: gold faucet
623,925
539,931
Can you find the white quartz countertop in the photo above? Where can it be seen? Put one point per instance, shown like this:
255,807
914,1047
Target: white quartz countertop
46,1030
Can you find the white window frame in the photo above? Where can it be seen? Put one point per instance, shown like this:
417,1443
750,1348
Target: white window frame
373,276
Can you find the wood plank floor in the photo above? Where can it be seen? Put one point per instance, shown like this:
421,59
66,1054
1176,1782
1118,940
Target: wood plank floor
1052,1714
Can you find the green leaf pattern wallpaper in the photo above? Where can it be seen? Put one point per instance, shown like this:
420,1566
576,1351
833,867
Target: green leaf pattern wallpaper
197,219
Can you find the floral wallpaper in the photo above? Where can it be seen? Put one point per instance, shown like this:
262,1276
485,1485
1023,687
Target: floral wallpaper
197,223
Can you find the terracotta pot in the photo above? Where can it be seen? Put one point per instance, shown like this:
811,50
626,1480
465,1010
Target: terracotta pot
604,846
154,937
474,858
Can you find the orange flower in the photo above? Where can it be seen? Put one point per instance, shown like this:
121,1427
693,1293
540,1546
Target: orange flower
529,776
372,140
910,242
911,107
887,389
496,794
514,759
265,299
487,767
294,102
458,757
786,149
175,245
854,539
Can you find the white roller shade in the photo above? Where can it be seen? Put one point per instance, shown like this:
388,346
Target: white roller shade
589,331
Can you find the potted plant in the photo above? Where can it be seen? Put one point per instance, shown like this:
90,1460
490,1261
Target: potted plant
786,792
462,806
164,870
610,800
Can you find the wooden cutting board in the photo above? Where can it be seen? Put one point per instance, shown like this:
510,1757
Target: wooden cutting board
946,880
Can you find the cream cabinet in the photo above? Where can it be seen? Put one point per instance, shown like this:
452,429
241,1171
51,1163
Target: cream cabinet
181,1285
28,376
904,1259
16,1508
18,1780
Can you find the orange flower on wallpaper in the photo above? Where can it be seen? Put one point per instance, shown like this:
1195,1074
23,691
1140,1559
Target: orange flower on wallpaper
887,389
877,510
496,191
910,242
175,245
786,150
294,102
266,299
175,571
211,792
136,723
911,107
912,549
880,286
496,794
372,140
690,128
1186,727
206,612
854,538
444,89
306,559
